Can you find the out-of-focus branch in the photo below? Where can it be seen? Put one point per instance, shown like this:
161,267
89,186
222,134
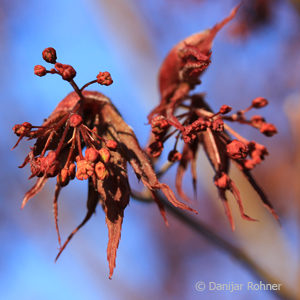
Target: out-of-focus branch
296,4
216,240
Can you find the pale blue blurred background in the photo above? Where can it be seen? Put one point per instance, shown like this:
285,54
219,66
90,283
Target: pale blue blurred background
130,38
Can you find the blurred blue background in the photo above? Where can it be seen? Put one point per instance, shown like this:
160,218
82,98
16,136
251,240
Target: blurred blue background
130,38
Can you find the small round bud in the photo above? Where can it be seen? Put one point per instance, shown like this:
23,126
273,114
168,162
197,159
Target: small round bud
268,129
259,102
222,181
101,171
63,177
111,144
72,170
49,55
104,78
174,156
159,125
257,121
68,73
105,154
91,154
59,68
22,129
40,70
155,149
75,120
225,109
217,125
50,164
237,150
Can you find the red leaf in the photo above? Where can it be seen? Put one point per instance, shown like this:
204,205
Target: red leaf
34,190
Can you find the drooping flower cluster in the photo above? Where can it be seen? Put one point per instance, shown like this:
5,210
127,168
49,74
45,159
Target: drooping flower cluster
89,120
188,116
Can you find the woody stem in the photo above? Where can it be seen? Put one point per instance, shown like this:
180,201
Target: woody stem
87,84
216,240
76,89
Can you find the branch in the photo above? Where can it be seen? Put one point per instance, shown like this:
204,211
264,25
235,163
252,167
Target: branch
242,257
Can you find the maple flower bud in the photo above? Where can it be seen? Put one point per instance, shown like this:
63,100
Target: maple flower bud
259,102
22,129
237,150
218,125
268,129
155,149
49,55
225,109
222,181
84,169
40,70
35,167
111,144
91,155
159,124
101,171
105,154
75,120
104,78
63,177
257,121
72,170
50,164
174,156
68,73
59,67
249,164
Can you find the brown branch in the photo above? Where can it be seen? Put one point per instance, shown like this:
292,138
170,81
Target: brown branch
203,230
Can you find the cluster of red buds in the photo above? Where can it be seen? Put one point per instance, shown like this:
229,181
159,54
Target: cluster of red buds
199,125
86,119
189,117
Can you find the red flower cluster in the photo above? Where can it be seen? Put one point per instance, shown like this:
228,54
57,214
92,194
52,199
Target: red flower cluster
197,125
89,120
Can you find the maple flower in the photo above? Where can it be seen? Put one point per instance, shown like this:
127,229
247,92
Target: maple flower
188,117
86,119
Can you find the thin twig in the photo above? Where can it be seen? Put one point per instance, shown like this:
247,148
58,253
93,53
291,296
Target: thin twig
216,240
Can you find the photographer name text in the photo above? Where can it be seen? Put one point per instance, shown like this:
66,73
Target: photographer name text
201,286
